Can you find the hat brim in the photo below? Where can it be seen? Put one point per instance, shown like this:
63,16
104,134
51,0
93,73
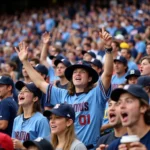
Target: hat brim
27,144
19,85
51,57
57,61
69,71
48,113
131,75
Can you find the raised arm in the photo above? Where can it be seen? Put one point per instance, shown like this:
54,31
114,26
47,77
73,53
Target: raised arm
33,74
45,40
108,64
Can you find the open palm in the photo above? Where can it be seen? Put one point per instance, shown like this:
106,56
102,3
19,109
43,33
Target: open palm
22,51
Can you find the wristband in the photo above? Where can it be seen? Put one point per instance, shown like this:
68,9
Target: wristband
108,50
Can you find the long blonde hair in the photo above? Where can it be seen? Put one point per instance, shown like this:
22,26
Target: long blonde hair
69,137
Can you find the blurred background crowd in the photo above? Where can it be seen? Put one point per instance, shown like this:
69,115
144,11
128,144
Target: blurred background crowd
74,27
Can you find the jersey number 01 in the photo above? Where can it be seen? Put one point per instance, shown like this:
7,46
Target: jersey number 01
84,119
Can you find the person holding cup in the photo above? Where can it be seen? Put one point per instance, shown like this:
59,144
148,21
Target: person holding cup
134,107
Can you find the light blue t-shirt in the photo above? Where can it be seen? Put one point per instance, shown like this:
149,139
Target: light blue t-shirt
30,129
115,80
89,110
132,65
51,74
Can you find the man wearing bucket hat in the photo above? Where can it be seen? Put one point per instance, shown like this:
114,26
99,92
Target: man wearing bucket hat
87,99
134,109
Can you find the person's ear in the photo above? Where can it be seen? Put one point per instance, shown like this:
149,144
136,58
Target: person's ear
90,79
69,122
35,99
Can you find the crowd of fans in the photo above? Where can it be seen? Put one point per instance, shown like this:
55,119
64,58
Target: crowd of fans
56,41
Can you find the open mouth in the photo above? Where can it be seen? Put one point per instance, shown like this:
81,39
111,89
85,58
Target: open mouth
112,117
124,116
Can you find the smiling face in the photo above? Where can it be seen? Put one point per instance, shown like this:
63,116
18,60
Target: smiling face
25,97
81,78
130,110
59,124
113,113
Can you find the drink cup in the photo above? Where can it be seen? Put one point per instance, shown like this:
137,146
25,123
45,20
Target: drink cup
128,139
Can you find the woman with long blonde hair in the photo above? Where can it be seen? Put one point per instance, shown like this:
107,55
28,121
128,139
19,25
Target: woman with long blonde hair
62,118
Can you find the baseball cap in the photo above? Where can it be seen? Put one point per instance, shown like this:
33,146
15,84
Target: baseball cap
63,110
119,37
6,142
31,87
57,56
6,80
92,54
143,81
41,69
135,90
81,64
64,61
96,62
121,59
124,45
133,72
41,143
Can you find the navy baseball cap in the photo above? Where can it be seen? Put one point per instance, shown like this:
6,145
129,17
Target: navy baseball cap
92,54
135,90
64,61
58,56
6,80
133,72
81,64
41,69
30,86
63,110
96,62
121,59
41,143
143,81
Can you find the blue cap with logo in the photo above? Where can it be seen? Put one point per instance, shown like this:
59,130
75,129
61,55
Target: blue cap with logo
133,72
41,143
135,90
121,59
92,54
30,86
144,81
96,62
41,69
63,110
64,61
6,80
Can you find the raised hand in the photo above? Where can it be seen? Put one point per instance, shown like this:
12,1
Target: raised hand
46,37
106,38
22,51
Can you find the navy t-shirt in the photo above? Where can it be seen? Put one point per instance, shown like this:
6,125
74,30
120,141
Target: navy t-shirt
106,139
144,140
8,111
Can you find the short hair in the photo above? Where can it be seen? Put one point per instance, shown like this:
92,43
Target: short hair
145,57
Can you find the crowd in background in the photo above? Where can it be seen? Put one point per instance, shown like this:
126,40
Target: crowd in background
72,33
